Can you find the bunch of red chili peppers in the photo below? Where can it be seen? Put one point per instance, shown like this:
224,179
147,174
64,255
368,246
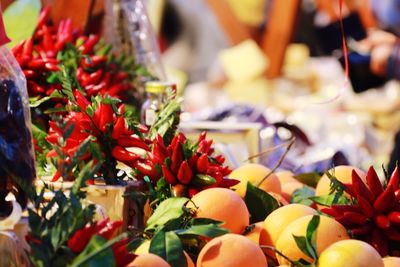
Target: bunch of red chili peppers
107,128
192,166
374,214
107,230
39,58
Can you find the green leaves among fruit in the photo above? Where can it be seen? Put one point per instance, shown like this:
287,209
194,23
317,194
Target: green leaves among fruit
259,203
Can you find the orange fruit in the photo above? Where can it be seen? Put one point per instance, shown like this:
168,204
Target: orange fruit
391,261
259,235
223,205
286,177
148,260
354,253
145,246
277,220
342,173
279,198
254,173
231,250
289,188
329,231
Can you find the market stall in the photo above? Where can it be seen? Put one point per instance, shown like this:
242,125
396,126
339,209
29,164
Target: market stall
148,133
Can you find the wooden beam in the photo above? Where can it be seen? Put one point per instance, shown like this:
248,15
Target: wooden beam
281,24
231,26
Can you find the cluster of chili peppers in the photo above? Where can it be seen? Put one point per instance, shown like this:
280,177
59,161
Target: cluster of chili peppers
107,230
192,166
107,128
39,58
374,214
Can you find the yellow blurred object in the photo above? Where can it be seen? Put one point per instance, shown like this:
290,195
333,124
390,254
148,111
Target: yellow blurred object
155,9
243,62
256,92
296,55
250,12
178,77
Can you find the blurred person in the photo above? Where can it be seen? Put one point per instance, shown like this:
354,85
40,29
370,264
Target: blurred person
384,46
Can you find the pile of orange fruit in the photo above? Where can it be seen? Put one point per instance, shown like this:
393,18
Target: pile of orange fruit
271,242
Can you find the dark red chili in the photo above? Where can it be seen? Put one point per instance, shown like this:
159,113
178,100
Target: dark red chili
106,116
168,175
202,163
123,155
88,46
44,15
360,187
132,141
385,201
119,126
394,179
185,173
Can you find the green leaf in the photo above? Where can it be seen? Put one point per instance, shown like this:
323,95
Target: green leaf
328,200
207,230
103,256
202,221
259,203
307,244
20,20
310,179
35,101
203,180
168,246
169,209
302,196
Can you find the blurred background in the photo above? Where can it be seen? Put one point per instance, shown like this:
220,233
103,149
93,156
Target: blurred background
260,72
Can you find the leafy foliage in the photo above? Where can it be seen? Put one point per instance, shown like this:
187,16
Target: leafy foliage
259,203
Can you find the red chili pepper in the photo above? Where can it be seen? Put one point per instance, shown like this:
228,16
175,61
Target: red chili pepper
35,88
365,206
393,234
226,171
29,73
386,201
47,39
227,182
114,90
349,189
44,15
88,46
56,176
81,238
202,147
106,116
394,179
218,177
202,136
121,255
121,154
168,175
176,157
51,67
332,212
193,161
394,217
397,194
192,192
81,100
119,126
202,163
132,141
346,208
374,183
94,77
110,229
144,129
185,173
379,242
146,167
220,159
361,230
18,48
93,61
352,218
160,152
360,187
382,221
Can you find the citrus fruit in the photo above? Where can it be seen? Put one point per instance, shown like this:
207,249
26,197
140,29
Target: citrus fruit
258,234
277,220
342,173
148,260
231,250
328,232
145,246
289,188
254,173
286,177
223,205
354,253
391,261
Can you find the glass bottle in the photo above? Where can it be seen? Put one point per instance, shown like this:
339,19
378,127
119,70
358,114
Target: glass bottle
155,92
